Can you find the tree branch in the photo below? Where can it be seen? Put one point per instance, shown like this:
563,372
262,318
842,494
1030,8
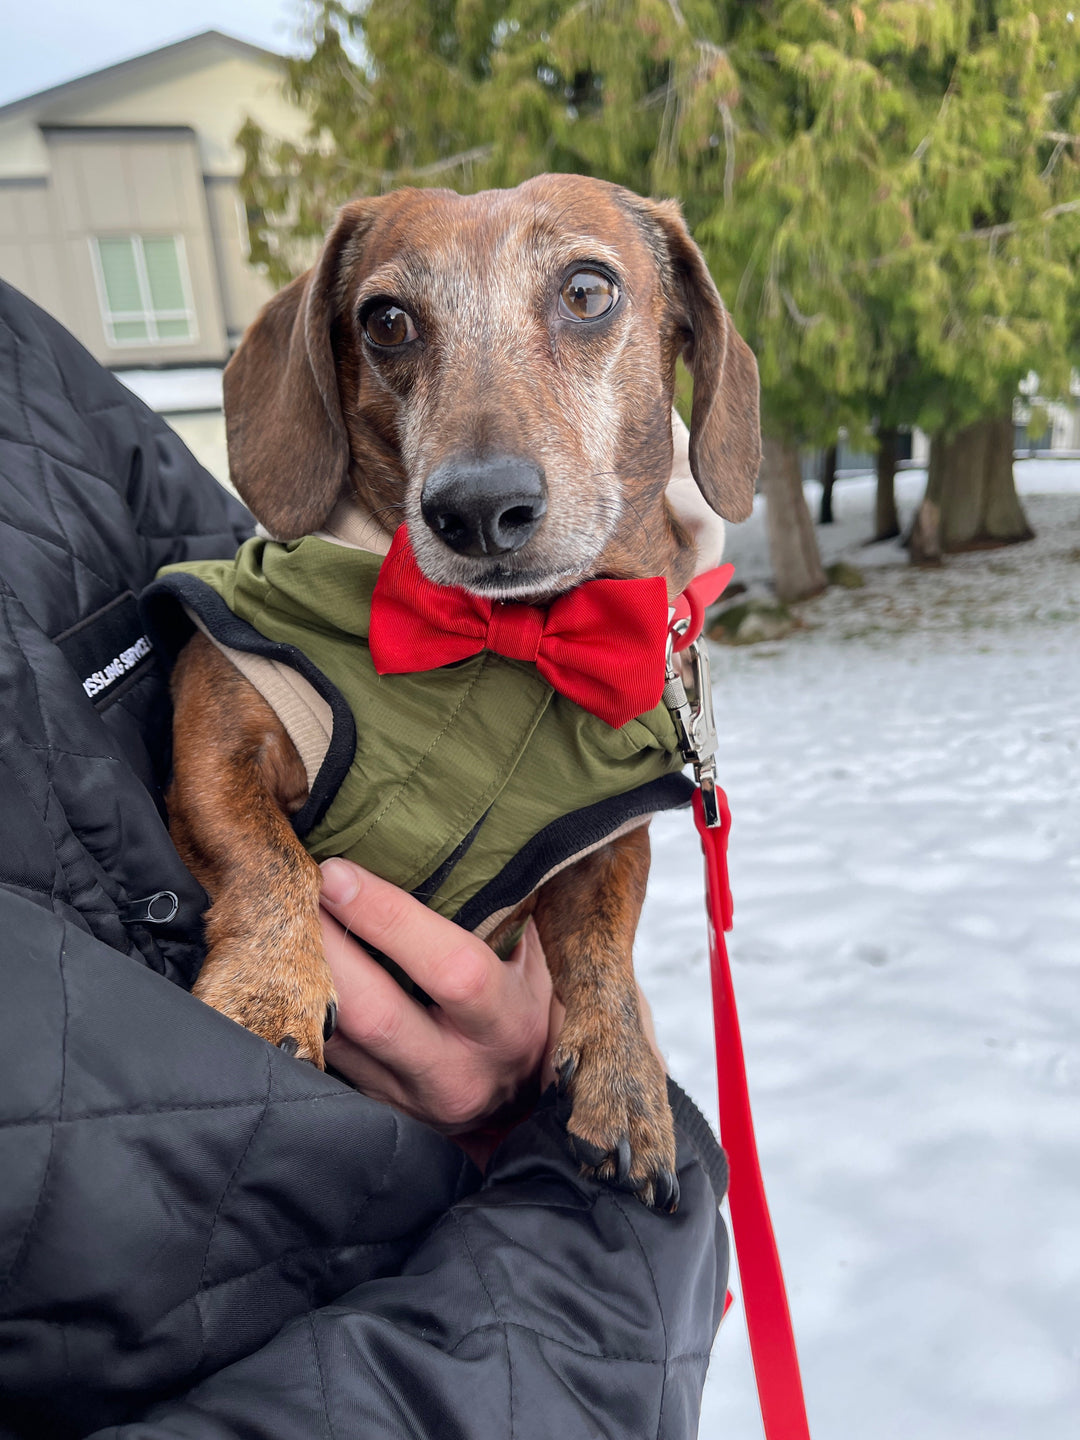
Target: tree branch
924,144
463,157
995,232
804,322
729,151
422,172
1054,158
987,232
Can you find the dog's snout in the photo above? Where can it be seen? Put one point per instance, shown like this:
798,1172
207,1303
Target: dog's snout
485,507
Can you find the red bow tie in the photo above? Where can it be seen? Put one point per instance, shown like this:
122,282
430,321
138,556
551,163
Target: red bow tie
601,644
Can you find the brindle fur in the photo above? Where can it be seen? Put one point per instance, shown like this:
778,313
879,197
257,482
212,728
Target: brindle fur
314,415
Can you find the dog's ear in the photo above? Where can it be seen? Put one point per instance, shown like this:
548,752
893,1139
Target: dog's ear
288,446
725,432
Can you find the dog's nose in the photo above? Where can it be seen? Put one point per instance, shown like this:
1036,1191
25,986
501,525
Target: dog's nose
485,507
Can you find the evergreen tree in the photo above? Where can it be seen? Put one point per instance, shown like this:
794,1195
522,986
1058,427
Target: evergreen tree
919,232
996,203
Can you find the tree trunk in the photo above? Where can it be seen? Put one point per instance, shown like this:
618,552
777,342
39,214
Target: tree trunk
971,482
924,542
793,546
828,480
886,520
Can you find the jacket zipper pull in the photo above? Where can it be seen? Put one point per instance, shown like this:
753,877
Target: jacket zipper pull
156,909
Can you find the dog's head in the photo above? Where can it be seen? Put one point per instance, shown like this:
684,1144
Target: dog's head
497,371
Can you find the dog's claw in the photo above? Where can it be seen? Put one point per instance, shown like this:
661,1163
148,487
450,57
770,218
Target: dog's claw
330,1023
660,1192
666,1192
623,1158
620,1131
289,1044
588,1153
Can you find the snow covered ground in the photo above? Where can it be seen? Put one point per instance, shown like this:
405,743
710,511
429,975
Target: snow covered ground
176,392
904,774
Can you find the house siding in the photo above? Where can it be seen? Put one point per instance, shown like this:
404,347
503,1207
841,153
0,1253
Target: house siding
243,290
31,250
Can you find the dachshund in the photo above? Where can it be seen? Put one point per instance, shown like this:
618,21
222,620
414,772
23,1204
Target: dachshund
496,373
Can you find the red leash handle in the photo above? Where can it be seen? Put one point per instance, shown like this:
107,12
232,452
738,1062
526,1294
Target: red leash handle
768,1319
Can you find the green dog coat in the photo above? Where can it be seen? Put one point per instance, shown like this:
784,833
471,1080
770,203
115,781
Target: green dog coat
469,785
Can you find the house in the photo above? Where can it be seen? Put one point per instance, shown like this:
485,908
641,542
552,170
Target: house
120,211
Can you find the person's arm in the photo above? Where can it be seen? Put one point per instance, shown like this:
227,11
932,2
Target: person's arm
173,1189
183,1203
542,1304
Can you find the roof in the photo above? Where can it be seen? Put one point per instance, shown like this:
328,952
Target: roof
217,38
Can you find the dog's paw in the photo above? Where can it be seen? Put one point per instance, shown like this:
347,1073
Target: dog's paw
620,1123
297,1018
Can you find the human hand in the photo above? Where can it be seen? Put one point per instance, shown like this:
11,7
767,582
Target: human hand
471,1060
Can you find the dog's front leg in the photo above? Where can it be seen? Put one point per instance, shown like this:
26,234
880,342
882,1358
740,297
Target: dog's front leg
237,778
620,1121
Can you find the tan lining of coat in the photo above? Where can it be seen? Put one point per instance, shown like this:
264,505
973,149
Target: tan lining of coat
298,705
487,927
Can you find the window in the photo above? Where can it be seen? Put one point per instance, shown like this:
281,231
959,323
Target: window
144,289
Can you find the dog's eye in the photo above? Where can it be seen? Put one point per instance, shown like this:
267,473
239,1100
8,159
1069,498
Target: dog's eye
587,295
389,325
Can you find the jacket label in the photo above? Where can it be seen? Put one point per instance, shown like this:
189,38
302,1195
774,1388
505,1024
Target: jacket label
107,648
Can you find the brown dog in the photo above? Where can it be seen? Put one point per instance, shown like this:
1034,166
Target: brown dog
496,371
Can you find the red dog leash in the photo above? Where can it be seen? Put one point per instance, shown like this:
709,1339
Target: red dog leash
768,1319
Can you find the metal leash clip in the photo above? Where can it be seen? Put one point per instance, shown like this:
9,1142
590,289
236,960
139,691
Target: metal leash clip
692,714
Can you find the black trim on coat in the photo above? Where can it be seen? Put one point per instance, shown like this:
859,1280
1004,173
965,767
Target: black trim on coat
428,888
568,836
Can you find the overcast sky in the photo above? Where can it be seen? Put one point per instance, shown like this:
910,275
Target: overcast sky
45,42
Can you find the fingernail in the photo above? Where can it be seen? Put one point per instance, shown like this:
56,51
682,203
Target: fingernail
340,882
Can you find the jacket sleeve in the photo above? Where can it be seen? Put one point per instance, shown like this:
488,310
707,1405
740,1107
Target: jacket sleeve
96,493
172,1189
188,1212
543,1305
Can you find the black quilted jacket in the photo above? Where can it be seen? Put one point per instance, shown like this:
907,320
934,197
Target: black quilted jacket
199,1236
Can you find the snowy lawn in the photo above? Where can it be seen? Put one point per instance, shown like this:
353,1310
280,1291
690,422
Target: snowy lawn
903,774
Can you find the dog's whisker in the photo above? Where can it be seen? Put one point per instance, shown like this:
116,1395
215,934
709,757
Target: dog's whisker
636,513
388,510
